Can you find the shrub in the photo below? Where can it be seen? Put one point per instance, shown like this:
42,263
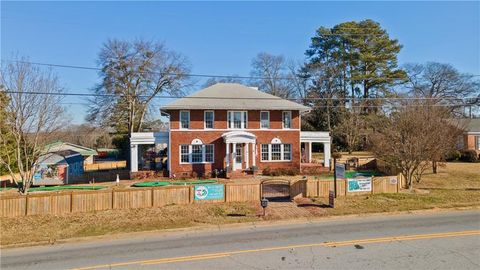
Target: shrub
469,156
194,174
453,155
266,171
336,155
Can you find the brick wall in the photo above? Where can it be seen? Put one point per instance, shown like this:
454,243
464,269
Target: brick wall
214,137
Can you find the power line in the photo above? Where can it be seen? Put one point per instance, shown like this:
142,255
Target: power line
276,98
236,98
183,74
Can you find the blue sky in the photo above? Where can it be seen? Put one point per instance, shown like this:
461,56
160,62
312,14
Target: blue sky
223,37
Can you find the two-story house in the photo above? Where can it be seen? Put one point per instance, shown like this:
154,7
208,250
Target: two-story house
236,128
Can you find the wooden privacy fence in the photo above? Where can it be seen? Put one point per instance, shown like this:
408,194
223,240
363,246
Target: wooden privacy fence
97,200
383,184
113,165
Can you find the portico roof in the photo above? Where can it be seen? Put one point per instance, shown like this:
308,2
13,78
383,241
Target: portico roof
239,136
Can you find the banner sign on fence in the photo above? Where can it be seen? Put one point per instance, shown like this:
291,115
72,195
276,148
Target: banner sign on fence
340,170
209,192
359,184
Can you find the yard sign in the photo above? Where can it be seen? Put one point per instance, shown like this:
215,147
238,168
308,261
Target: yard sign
340,170
209,192
359,184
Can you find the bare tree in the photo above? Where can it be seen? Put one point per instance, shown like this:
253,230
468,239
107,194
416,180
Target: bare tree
410,138
351,129
31,118
272,75
133,74
442,83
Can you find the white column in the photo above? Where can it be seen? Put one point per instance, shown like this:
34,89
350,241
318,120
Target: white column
234,156
326,154
309,152
246,156
227,157
254,153
133,158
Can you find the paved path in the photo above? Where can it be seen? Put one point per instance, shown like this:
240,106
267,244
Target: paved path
445,240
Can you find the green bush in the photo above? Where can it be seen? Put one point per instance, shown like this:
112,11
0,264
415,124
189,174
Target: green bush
469,156
453,155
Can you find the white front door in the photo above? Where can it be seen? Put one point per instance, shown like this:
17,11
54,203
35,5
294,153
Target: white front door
238,157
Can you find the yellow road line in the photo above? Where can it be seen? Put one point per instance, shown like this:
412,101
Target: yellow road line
185,259
326,244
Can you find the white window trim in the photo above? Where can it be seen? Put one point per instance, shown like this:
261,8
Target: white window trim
477,142
244,123
190,154
283,123
268,112
281,153
180,119
205,119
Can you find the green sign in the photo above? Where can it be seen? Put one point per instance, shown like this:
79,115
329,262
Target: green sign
209,192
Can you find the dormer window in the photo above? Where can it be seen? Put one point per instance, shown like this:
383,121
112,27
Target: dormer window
237,120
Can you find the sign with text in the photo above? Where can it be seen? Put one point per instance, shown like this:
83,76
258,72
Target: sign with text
340,170
359,184
209,192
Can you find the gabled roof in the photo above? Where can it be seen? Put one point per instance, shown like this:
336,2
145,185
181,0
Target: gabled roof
60,146
228,96
473,125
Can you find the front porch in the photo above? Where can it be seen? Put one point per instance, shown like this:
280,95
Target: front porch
240,152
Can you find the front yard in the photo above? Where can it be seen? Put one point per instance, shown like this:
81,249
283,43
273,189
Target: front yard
456,185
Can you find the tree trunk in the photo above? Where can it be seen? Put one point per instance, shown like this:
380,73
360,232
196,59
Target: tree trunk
434,167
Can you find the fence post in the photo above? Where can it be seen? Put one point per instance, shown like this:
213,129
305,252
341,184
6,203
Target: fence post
373,184
71,201
113,199
225,192
152,197
26,204
346,187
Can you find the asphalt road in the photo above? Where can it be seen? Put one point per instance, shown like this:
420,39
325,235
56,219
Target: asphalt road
446,240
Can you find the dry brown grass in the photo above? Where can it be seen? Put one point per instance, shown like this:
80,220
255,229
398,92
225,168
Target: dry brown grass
50,228
453,175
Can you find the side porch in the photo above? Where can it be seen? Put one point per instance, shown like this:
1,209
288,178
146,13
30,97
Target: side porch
307,141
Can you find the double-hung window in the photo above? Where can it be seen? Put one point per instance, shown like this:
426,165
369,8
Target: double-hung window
237,120
264,152
196,153
287,119
184,119
184,154
478,142
264,119
209,119
276,152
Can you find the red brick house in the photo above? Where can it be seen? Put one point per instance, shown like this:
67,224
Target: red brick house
235,128
471,135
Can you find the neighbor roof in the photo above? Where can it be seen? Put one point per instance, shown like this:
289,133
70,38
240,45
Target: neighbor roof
473,125
59,146
233,96
58,157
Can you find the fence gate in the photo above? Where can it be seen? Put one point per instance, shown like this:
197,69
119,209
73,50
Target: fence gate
275,189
